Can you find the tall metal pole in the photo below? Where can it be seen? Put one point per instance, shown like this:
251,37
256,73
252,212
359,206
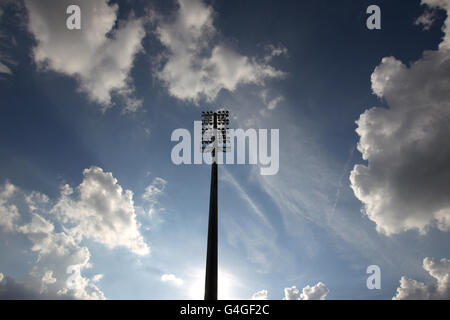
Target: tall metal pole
218,141
211,257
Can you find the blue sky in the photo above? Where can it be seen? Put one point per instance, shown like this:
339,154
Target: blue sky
87,179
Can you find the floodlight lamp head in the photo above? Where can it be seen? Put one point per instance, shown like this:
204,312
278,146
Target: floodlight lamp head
214,131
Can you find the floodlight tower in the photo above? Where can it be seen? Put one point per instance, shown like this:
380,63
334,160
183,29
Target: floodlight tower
214,140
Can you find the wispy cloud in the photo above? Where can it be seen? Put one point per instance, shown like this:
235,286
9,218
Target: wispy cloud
244,195
341,179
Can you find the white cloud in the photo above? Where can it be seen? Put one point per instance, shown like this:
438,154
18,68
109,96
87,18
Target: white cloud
154,189
5,69
316,292
35,199
99,55
272,102
439,289
97,277
48,277
7,40
58,251
407,180
291,293
103,212
172,279
426,19
8,212
260,295
195,67
152,192
429,16
275,51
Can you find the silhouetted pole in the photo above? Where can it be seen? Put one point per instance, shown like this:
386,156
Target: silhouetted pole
215,119
211,256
